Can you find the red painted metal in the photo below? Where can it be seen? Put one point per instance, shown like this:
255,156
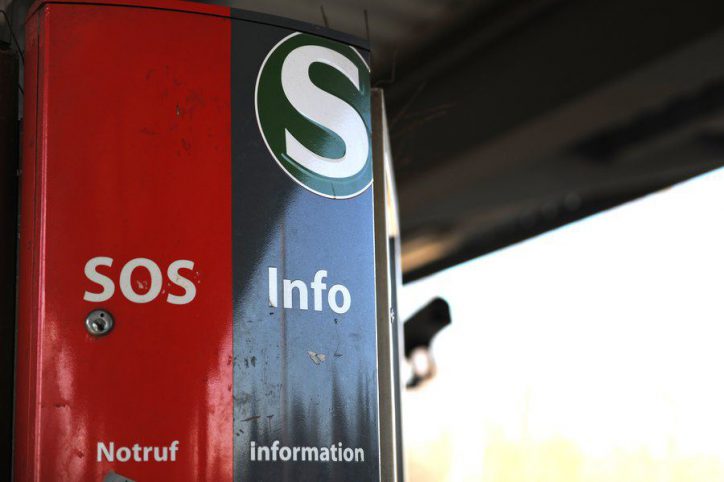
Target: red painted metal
126,155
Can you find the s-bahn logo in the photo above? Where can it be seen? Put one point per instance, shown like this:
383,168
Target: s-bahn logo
313,109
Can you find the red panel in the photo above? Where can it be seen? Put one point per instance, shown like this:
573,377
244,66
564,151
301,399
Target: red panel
134,162
178,5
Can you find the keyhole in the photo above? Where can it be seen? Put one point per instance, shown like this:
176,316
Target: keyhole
99,322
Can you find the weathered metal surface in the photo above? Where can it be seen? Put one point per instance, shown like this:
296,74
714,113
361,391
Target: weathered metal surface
388,279
152,191
304,378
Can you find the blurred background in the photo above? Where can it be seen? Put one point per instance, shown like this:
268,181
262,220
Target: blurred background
590,353
584,346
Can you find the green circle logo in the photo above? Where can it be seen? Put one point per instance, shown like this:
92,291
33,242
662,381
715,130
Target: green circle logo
313,110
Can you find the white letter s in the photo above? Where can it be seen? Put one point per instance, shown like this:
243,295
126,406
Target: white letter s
326,110
178,280
108,286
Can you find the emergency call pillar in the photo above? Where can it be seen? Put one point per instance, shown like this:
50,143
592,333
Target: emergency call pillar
197,295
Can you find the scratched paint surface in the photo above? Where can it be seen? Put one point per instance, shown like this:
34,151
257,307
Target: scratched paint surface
141,142
132,161
281,390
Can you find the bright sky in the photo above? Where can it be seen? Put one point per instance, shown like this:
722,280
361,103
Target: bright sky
591,353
